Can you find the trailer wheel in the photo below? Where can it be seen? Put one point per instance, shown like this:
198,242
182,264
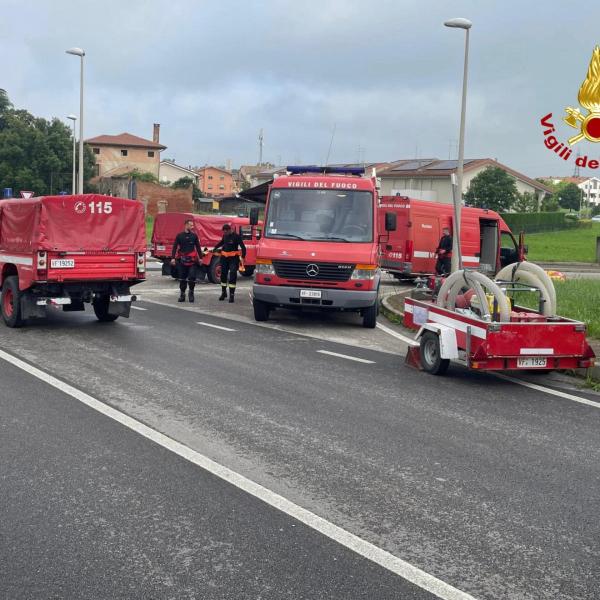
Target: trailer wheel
214,270
248,272
369,315
11,302
101,309
261,310
429,349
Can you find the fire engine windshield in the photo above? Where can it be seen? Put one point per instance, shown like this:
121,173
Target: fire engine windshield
323,215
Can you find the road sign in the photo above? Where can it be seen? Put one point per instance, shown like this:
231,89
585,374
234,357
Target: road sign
25,194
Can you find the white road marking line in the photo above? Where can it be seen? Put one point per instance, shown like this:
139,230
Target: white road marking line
215,326
355,358
138,308
404,338
546,390
365,549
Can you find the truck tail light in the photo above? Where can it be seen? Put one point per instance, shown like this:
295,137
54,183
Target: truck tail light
408,250
141,262
42,263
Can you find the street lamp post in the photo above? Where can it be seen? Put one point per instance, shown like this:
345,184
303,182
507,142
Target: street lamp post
79,52
456,253
74,184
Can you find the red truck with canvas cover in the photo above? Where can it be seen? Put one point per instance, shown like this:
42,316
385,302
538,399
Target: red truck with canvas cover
209,229
320,245
65,251
487,242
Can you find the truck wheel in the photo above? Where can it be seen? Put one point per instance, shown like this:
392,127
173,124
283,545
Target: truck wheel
369,315
214,270
248,272
101,309
431,359
11,302
261,310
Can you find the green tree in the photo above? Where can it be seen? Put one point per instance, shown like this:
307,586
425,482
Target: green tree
183,182
568,195
526,203
550,204
36,154
493,188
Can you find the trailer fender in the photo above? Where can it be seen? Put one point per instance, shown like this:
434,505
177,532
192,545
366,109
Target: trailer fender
447,338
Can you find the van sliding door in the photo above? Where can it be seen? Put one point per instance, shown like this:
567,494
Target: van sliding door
488,248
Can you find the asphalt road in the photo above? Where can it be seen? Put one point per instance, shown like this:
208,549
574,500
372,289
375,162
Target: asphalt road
486,485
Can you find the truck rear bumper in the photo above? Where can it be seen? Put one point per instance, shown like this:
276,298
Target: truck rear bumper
330,298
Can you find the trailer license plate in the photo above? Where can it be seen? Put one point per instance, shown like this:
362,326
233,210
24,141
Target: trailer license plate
532,362
310,293
62,263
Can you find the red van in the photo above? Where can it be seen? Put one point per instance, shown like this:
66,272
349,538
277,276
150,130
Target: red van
487,243
210,230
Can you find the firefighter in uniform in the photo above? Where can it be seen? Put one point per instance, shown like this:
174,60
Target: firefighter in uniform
232,248
186,255
444,253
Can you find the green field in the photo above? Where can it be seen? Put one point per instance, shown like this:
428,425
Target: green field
569,245
149,224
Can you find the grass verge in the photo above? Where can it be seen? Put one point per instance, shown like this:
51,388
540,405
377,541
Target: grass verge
149,225
568,245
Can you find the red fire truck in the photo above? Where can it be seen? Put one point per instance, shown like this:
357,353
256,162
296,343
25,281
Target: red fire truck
487,242
65,251
320,245
209,230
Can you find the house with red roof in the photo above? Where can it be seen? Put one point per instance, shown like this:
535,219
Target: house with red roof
116,155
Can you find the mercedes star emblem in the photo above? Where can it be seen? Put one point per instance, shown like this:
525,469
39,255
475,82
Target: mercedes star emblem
312,270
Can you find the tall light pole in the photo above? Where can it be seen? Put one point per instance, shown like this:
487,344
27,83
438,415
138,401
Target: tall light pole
456,253
74,184
79,52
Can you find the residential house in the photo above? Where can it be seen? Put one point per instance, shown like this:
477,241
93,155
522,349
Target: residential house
590,187
170,172
215,182
125,152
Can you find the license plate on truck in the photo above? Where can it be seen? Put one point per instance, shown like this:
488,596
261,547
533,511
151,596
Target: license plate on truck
62,263
532,362
310,293
159,247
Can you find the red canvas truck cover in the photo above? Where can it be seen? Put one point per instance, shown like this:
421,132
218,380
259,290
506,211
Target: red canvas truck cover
87,222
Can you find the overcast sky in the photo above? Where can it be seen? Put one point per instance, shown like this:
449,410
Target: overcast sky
385,73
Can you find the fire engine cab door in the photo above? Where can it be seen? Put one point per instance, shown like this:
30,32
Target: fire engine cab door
488,249
426,235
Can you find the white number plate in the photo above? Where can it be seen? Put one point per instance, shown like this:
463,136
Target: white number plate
160,247
533,362
62,263
310,293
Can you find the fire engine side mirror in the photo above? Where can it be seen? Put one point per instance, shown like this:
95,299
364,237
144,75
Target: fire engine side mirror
254,216
390,221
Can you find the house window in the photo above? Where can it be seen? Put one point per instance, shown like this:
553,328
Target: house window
221,187
222,177
96,170
210,187
123,152
96,150
150,153
210,176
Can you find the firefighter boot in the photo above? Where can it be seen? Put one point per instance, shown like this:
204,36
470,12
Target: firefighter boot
231,295
191,296
223,292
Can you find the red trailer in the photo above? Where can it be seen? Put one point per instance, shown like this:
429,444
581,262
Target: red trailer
521,339
209,230
65,251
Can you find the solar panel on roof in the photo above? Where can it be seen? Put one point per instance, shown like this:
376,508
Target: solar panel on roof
412,166
447,164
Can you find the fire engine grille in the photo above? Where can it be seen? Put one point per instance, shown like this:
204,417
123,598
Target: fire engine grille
317,271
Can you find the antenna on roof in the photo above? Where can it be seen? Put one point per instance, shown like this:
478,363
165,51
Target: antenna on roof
330,144
576,170
260,147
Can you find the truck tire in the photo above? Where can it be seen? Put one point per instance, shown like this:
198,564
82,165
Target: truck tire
214,270
429,350
369,315
261,310
11,302
248,272
101,309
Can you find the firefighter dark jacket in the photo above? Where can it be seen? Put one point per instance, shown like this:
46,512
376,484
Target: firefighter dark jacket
231,242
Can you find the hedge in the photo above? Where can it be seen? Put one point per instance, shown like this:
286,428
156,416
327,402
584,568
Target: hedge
541,221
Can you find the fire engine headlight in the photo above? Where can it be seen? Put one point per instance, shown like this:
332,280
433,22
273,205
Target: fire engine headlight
364,272
265,268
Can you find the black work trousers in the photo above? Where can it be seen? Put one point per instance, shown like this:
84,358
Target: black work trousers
229,270
187,275
443,266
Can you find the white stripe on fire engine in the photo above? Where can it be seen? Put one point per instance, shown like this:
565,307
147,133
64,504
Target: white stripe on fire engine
422,254
473,259
17,260
537,351
478,332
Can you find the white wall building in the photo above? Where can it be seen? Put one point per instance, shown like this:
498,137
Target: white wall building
169,172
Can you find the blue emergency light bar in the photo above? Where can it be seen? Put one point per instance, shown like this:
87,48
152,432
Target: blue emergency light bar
298,170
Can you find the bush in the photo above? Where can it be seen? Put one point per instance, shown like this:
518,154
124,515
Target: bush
534,222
